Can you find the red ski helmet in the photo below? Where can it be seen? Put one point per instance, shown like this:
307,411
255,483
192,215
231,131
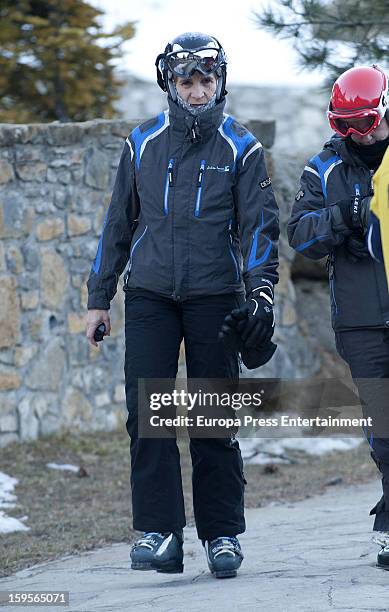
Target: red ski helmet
358,101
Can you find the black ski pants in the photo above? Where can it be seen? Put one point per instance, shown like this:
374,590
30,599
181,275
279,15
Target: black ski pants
155,326
367,353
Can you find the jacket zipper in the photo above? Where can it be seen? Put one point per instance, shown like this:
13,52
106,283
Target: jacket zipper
168,184
331,277
133,249
232,250
199,188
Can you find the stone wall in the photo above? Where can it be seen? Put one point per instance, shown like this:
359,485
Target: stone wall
55,182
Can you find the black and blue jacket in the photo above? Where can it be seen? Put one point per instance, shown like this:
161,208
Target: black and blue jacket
192,211
358,288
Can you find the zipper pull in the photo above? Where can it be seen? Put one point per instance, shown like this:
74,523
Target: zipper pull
201,174
170,172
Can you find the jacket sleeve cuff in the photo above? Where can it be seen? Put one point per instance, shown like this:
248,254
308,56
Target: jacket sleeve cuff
258,284
98,301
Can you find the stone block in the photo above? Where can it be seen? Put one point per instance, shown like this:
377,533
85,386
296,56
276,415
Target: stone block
28,421
29,300
102,399
6,172
48,369
50,228
9,379
9,312
119,394
14,259
15,219
27,154
54,279
7,356
78,225
76,410
32,172
95,378
9,422
97,169
35,327
23,354
76,323
61,175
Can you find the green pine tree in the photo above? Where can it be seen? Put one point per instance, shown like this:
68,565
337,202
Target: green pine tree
56,63
332,35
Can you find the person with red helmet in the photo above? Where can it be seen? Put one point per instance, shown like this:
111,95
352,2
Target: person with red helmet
330,218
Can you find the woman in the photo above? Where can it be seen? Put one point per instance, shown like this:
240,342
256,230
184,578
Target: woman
193,213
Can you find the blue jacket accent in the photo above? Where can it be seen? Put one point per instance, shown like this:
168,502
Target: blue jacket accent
309,243
322,167
139,137
97,261
242,141
253,261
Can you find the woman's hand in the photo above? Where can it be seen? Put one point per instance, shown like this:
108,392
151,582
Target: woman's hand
93,319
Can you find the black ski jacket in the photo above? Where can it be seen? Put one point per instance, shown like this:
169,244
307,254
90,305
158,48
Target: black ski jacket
359,292
192,211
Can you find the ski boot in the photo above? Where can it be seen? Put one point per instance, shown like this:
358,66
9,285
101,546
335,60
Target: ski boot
162,552
224,556
382,539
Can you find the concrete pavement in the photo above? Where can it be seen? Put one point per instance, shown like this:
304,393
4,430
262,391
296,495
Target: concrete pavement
310,556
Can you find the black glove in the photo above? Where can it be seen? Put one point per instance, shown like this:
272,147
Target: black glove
355,211
356,247
255,319
252,357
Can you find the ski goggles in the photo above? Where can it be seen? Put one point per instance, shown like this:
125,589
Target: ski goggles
185,63
361,123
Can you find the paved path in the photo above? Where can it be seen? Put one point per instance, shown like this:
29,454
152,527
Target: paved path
308,556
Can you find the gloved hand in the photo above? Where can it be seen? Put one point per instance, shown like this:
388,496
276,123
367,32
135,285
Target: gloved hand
356,247
355,211
230,334
254,321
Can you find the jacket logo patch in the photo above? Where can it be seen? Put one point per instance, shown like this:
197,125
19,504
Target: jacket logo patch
265,183
300,194
219,168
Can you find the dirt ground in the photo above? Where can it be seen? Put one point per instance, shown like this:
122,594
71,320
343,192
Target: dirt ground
69,512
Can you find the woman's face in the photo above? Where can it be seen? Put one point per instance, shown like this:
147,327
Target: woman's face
380,133
197,89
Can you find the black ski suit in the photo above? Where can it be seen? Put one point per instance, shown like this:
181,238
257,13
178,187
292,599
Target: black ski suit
194,216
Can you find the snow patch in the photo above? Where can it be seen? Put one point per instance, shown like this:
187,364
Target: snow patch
9,524
262,451
63,466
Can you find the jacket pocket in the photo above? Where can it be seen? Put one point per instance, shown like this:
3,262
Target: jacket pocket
168,185
199,190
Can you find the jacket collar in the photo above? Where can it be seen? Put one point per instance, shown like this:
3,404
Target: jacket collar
338,144
199,128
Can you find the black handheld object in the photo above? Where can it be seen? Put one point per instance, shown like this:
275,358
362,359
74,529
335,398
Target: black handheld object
99,332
